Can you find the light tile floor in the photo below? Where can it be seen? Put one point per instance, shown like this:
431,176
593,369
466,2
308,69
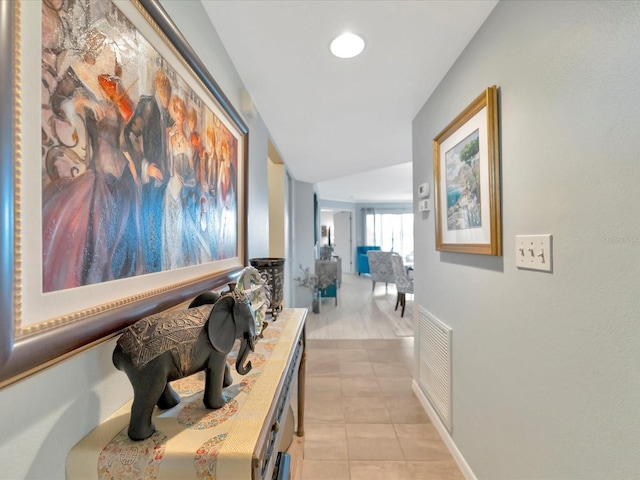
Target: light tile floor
362,419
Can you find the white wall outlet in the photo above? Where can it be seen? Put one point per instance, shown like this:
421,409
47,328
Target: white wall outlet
534,252
424,205
423,190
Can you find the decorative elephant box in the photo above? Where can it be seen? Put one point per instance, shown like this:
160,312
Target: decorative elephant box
171,345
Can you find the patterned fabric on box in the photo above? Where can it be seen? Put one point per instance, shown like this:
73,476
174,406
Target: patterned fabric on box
327,273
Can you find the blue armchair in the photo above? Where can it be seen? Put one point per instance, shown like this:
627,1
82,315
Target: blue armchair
362,259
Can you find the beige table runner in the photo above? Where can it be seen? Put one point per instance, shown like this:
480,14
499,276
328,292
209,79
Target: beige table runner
192,441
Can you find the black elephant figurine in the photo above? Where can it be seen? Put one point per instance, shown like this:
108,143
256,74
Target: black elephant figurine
171,345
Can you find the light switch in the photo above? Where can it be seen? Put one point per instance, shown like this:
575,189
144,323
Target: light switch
424,205
534,252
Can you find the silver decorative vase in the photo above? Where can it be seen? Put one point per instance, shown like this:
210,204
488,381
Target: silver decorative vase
272,271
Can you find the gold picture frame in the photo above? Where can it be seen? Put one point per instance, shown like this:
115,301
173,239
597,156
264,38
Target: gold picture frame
466,167
41,325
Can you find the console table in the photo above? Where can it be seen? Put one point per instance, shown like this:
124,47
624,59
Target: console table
241,440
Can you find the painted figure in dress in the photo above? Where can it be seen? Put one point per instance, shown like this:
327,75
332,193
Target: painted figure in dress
146,141
227,201
199,249
90,219
129,184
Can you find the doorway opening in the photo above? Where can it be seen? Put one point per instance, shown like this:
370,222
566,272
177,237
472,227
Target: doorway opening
337,230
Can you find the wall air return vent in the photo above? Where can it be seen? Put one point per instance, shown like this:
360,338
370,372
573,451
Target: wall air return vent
434,364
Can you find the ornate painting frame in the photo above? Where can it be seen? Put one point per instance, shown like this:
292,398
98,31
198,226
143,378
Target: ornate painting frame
39,328
466,168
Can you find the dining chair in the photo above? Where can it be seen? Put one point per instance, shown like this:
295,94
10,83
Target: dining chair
381,267
404,283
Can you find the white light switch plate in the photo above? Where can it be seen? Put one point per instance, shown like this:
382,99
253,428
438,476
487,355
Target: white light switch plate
534,252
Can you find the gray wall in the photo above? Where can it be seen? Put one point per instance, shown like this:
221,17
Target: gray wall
303,245
49,412
546,382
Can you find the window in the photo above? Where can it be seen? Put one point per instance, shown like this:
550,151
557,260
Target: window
391,231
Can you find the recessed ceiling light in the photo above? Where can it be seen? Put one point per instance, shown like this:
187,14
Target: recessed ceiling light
347,45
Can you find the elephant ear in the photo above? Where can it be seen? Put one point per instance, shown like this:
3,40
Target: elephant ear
221,326
205,298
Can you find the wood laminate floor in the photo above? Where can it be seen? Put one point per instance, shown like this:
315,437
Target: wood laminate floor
362,312
362,419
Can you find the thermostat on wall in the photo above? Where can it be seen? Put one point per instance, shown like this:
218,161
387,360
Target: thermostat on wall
423,190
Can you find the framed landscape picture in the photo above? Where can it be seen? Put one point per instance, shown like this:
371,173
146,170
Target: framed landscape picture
466,168
123,175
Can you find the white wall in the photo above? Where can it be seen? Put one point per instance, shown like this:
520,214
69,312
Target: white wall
276,209
46,414
546,377
326,219
303,248
258,194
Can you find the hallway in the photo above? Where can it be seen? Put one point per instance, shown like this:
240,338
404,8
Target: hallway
361,313
363,421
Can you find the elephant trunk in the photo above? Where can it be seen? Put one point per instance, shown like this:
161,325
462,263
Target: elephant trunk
245,346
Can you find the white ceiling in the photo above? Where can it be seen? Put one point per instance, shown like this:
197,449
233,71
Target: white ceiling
332,119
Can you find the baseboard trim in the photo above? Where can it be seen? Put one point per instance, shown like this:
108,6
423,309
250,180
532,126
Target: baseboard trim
444,433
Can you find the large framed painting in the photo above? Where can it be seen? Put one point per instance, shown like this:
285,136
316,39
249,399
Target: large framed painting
123,175
466,167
